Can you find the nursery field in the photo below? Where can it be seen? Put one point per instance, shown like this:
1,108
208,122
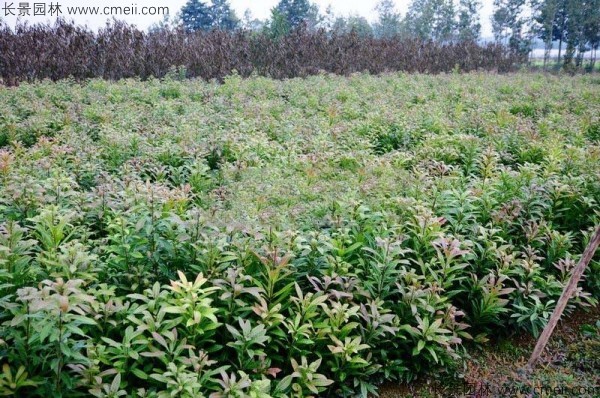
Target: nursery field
306,237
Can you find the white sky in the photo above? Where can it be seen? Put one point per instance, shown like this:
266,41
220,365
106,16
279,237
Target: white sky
260,9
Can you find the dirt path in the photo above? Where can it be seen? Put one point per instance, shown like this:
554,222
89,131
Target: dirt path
569,367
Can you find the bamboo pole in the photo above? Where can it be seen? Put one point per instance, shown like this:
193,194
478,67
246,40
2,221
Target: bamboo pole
565,296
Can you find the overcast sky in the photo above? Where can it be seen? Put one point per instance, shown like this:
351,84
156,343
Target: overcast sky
260,9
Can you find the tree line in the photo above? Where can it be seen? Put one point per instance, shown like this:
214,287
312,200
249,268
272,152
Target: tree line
571,25
438,20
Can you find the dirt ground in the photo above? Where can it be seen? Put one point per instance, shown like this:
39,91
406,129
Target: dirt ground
570,367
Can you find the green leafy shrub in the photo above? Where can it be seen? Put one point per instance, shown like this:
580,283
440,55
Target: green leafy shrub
592,132
392,137
524,109
181,250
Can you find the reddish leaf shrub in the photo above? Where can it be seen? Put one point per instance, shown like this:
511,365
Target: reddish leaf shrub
119,50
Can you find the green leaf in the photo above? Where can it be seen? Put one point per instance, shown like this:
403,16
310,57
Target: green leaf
139,373
420,345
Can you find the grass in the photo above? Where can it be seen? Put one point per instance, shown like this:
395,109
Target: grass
555,65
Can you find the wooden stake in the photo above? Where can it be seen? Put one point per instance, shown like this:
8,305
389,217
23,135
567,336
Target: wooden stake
565,296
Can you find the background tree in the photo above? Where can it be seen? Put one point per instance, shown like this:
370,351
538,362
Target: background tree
314,19
389,20
168,22
508,22
278,25
584,28
544,15
574,22
431,20
251,23
469,25
419,19
591,29
444,23
352,23
501,21
223,16
329,19
574,31
293,11
559,28
196,15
